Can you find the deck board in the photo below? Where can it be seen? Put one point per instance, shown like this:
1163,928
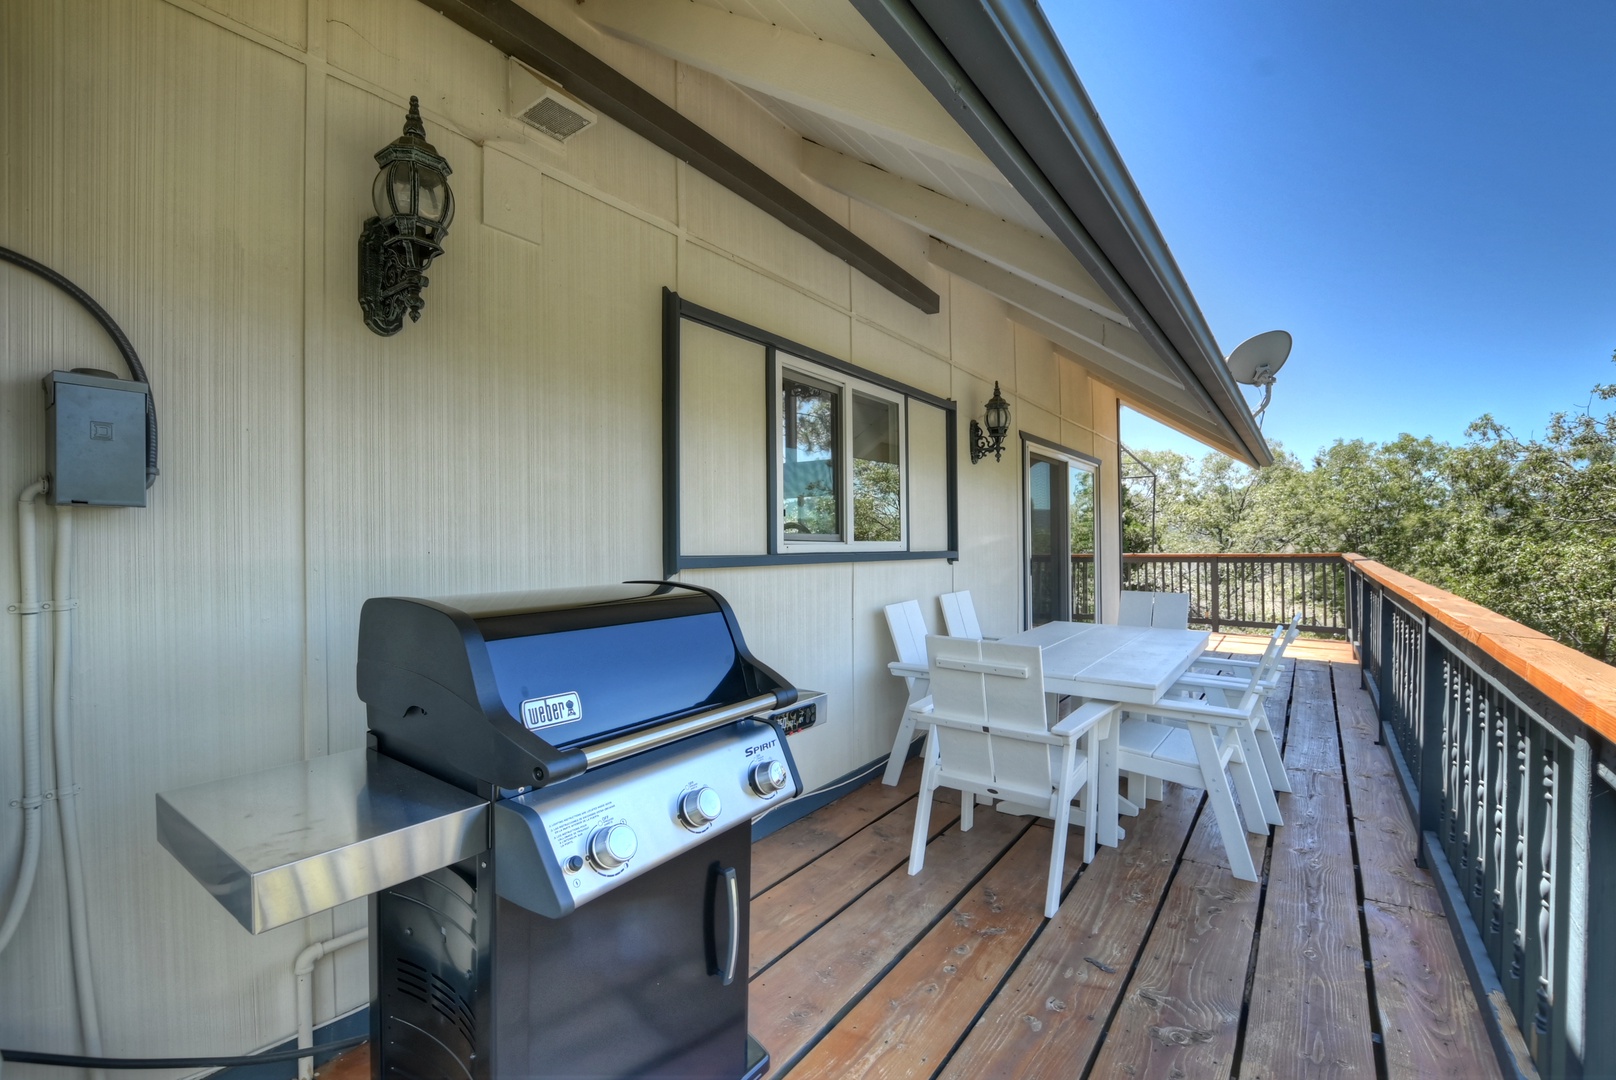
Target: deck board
795,1001
1049,1016
1158,964
783,853
1180,1016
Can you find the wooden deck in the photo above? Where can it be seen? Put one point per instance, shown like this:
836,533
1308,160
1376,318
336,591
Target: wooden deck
1158,964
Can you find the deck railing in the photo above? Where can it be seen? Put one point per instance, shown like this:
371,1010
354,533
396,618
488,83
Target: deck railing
1235,592
1506,741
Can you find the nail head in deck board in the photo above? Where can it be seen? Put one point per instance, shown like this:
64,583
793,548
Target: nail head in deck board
1046,1020
791,910
1429,1018
1387,839
780,854
909,1020
1309,1011
794,1001
517,32
1180,1014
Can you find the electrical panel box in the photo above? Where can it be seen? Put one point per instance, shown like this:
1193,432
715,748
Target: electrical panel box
95,430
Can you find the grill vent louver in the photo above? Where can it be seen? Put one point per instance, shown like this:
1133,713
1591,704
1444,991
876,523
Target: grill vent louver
544,106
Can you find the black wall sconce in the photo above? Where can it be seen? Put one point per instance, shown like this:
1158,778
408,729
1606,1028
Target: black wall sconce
414,207
997,418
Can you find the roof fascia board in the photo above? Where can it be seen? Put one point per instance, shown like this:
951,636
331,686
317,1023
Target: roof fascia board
517,32
979,32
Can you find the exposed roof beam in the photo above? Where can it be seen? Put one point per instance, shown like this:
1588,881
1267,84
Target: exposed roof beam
516,32
1038,258
1135,361
1115,354
873,93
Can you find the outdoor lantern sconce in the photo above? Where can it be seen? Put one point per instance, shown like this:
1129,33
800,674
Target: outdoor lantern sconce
997,418
413,209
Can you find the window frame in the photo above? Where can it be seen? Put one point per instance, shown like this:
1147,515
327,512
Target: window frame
779,352
845,386
1031,446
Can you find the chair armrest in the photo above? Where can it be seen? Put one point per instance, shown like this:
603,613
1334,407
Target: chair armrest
1211,682
909,671
1200,713
1085,717
1206,662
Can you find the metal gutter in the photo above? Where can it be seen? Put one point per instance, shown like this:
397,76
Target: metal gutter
998,68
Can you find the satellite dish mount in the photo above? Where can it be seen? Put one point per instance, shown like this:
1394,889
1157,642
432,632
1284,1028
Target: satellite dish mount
1256,360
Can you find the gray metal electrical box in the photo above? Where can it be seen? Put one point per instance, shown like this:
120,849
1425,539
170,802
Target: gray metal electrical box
95,431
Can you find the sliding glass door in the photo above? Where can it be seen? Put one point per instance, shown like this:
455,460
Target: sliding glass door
1061,523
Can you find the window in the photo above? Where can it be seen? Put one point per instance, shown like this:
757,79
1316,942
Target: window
1061,531
841,460
776,453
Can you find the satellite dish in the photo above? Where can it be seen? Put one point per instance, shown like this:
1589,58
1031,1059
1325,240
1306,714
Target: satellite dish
1256,360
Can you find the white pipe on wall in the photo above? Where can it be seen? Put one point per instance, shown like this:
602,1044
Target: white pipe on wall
33,801
303,977
66,789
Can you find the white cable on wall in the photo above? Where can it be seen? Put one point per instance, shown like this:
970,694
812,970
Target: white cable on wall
67,799
33,802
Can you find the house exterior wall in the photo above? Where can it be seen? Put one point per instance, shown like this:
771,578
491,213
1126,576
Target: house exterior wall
203,170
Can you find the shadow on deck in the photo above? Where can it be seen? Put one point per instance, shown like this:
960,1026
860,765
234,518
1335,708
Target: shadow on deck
1158,964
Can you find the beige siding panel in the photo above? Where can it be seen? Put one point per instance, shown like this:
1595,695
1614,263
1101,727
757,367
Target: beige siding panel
187,659
798,621
715,281
1033,420
717,215
928,477
1076,400
906,247
880,352
1037,369
723,433
878,694
983,342
990,521
511,439
1105,442
283,20
512,195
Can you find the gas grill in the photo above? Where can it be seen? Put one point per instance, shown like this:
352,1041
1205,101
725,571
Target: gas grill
621,734
561,891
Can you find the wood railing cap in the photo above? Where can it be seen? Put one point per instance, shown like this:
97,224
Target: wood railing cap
1583,686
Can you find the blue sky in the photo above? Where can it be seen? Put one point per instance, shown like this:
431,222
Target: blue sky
1423,193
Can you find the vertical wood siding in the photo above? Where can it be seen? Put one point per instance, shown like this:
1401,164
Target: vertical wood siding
203,169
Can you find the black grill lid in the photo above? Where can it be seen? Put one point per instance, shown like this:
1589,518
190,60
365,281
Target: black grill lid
502,689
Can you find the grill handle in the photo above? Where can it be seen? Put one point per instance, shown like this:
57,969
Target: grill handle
732,890
616,749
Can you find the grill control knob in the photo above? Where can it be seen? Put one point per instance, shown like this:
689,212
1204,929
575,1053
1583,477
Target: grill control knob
769,777
612,846
698,808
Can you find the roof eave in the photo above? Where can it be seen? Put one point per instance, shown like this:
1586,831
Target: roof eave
1001,72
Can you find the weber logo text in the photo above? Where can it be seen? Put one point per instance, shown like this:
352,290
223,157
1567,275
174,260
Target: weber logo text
556,709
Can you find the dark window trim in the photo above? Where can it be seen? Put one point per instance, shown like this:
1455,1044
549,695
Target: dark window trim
674,310
1059,449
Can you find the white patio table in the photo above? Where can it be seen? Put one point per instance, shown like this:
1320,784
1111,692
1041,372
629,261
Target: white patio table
1131,664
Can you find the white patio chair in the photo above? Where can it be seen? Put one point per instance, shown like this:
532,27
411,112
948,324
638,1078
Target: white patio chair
1202,744
1134,610
908,629
990,735
1170,610
1263,760
959,615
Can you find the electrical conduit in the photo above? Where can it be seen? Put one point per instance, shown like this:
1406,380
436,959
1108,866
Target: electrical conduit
33,801
66,789
303,976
